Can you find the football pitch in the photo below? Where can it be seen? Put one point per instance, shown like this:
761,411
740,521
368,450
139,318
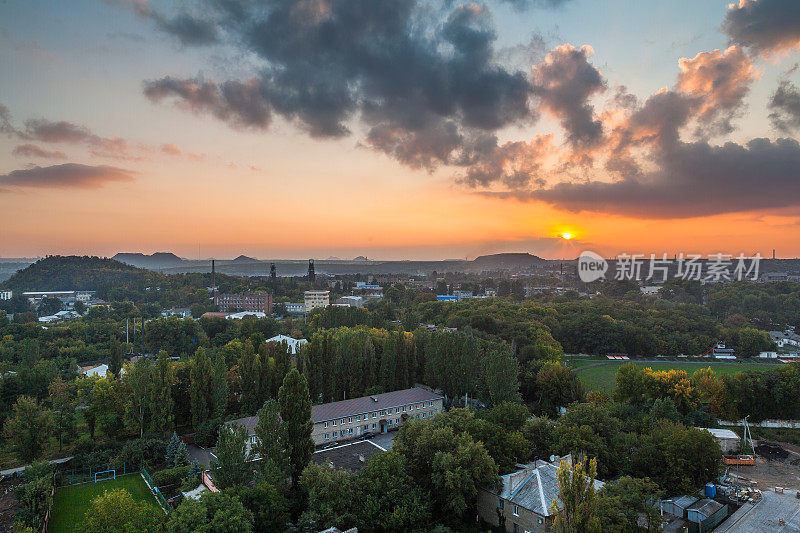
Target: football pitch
71,503
599,374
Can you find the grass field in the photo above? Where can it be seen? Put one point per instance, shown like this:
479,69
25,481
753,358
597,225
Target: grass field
598,374
71,503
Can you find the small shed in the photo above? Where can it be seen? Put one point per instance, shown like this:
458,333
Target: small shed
677,506
705,514
728,440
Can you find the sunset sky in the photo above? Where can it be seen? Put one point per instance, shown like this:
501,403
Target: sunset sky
399,128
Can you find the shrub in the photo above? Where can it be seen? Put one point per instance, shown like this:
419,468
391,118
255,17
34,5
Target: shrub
206,433
171,476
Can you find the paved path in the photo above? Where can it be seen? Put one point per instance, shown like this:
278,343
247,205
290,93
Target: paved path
11,471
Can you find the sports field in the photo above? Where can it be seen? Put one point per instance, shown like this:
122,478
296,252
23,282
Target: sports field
71,503
598,374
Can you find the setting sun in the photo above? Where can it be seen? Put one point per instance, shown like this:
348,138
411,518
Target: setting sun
566,236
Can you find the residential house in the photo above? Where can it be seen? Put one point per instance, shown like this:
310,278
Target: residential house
294,344
524,499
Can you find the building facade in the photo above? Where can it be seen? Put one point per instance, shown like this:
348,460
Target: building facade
524,498
314,299
246,301
350,419
6,294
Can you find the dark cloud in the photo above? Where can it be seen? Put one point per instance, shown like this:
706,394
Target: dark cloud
695,180
564,81
69,175
32,150
785,102
68,132
190,30
764,26
401,68
241,104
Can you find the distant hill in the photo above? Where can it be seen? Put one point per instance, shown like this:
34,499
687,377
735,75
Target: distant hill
244,259
507,261
63,273
154,261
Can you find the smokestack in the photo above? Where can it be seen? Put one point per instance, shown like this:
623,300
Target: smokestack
773,253
213,276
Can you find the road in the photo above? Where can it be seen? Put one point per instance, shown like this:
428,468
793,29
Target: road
11,471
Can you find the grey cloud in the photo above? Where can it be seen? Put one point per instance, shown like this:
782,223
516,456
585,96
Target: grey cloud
397,66
764,26
564,81
695,179
190,30
69,175
32,150
241,104
785,102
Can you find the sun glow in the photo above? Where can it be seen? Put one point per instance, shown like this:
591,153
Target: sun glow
566,235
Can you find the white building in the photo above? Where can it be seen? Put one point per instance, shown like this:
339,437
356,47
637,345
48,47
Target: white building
6,294
243,314
314,299
295,308
294,344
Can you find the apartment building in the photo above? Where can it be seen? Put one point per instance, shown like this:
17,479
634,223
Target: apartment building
246,301
349,419
6,294
315,299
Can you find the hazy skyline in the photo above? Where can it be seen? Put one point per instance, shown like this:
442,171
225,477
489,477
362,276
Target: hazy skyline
399,129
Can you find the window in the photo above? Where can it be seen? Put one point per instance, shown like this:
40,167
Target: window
423,415
358,419
501,504
327,436
334,423
326,425
342,422
374,426
540,520
350,431
350,420
366,427
516,510
390,421
404,408
335,434
396,410
374,415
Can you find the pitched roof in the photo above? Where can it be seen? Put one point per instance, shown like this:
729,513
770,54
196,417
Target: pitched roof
355,406
367,404
534,487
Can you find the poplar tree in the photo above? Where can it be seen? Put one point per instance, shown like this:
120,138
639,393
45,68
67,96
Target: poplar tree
295,405
201,378
272,444
162,418
220,392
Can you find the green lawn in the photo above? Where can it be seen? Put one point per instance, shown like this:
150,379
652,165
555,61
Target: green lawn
70,503
598,374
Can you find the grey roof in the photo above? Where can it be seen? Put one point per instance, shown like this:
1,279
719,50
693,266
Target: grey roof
534,487
367,404
705,507
355,406
347,456
682,502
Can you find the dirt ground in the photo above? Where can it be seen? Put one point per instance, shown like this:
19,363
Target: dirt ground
772,469
8,502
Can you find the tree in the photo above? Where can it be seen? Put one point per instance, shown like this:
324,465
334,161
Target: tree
268,505
216,512
162,416
116,511
628,499
576,505
115,362
181,456
501,375
333,498
202,377
172,449
231,467
220,402
448,466
295,406
272,441
62,400
50,306
389,498
26,429
137,382
34,497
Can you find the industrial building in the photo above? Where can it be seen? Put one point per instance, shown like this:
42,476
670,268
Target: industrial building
246,301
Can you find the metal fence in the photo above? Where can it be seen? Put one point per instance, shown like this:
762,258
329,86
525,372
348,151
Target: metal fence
75,476
162,501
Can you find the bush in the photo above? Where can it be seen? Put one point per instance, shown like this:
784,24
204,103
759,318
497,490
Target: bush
171,476
206,433
147,452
